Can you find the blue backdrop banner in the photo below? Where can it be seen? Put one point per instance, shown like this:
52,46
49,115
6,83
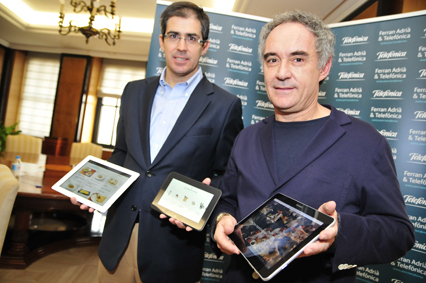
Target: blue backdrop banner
378,75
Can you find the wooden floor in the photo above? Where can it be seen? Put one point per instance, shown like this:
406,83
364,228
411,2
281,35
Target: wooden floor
70,266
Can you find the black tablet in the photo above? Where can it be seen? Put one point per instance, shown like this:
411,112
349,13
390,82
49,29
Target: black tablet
187,200
275,233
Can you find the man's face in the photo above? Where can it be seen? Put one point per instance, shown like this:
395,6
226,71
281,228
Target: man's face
182,57
291,71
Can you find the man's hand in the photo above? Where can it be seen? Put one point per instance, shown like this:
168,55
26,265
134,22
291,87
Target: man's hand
176,222
82,206
179,223
326,237
224,227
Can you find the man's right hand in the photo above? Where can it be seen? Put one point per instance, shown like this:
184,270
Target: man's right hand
224,227
82,206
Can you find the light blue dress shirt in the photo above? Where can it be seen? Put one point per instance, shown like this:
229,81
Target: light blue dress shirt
168,104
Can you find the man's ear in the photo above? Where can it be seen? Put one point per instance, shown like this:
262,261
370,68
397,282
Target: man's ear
324,71
161,40
205,47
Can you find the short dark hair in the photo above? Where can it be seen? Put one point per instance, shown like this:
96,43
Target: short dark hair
185,10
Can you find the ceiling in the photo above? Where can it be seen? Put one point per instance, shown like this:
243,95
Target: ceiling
33,24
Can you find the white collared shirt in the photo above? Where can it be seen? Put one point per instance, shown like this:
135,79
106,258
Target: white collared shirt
168,104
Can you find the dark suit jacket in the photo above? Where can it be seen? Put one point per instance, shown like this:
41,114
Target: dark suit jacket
347,161
198,147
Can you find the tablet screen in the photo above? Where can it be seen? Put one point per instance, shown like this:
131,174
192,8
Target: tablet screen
275,233
96,182
187,200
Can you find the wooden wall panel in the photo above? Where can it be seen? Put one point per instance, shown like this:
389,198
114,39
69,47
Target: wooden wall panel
2,57
68,98
92,100
408,6
368,13
4,81
15,87
389,7
413,5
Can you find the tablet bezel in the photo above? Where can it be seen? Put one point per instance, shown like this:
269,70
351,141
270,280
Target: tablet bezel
195,184
264,272
103,163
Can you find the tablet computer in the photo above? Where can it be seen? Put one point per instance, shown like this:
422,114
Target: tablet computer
276,232
96,182
187,200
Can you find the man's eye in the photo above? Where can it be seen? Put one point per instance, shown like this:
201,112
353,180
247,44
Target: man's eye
272,60
192,38
298,60
174,36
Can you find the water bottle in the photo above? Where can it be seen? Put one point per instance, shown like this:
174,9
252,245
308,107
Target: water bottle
16,167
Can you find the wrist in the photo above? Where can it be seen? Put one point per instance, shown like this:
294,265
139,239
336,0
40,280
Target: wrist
219,217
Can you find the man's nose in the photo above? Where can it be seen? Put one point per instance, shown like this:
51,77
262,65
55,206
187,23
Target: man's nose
182,45
283,71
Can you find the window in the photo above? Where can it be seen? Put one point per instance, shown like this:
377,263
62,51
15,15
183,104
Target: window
108,118
115,75
38,94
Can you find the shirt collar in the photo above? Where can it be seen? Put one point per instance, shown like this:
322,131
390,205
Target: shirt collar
197,76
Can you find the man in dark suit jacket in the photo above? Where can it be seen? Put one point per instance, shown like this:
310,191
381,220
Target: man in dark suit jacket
198,146
317,155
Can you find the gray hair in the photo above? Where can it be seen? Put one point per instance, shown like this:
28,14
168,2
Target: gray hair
324,42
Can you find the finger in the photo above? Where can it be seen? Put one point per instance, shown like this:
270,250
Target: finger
307,251
207,181
85,207
326,235
178,223
316,248
227,246
163,216
223,242
328,208
311,250
181,225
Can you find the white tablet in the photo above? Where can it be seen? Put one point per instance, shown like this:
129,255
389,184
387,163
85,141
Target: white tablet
275,233
96,182
187,200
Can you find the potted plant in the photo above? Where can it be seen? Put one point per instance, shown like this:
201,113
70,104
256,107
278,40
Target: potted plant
4,132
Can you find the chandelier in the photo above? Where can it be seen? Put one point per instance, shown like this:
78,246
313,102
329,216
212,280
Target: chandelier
89,31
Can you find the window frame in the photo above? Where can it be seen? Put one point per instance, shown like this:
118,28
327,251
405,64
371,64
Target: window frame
127,67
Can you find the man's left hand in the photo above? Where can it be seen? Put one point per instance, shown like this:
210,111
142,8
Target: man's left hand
326,237
176,222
